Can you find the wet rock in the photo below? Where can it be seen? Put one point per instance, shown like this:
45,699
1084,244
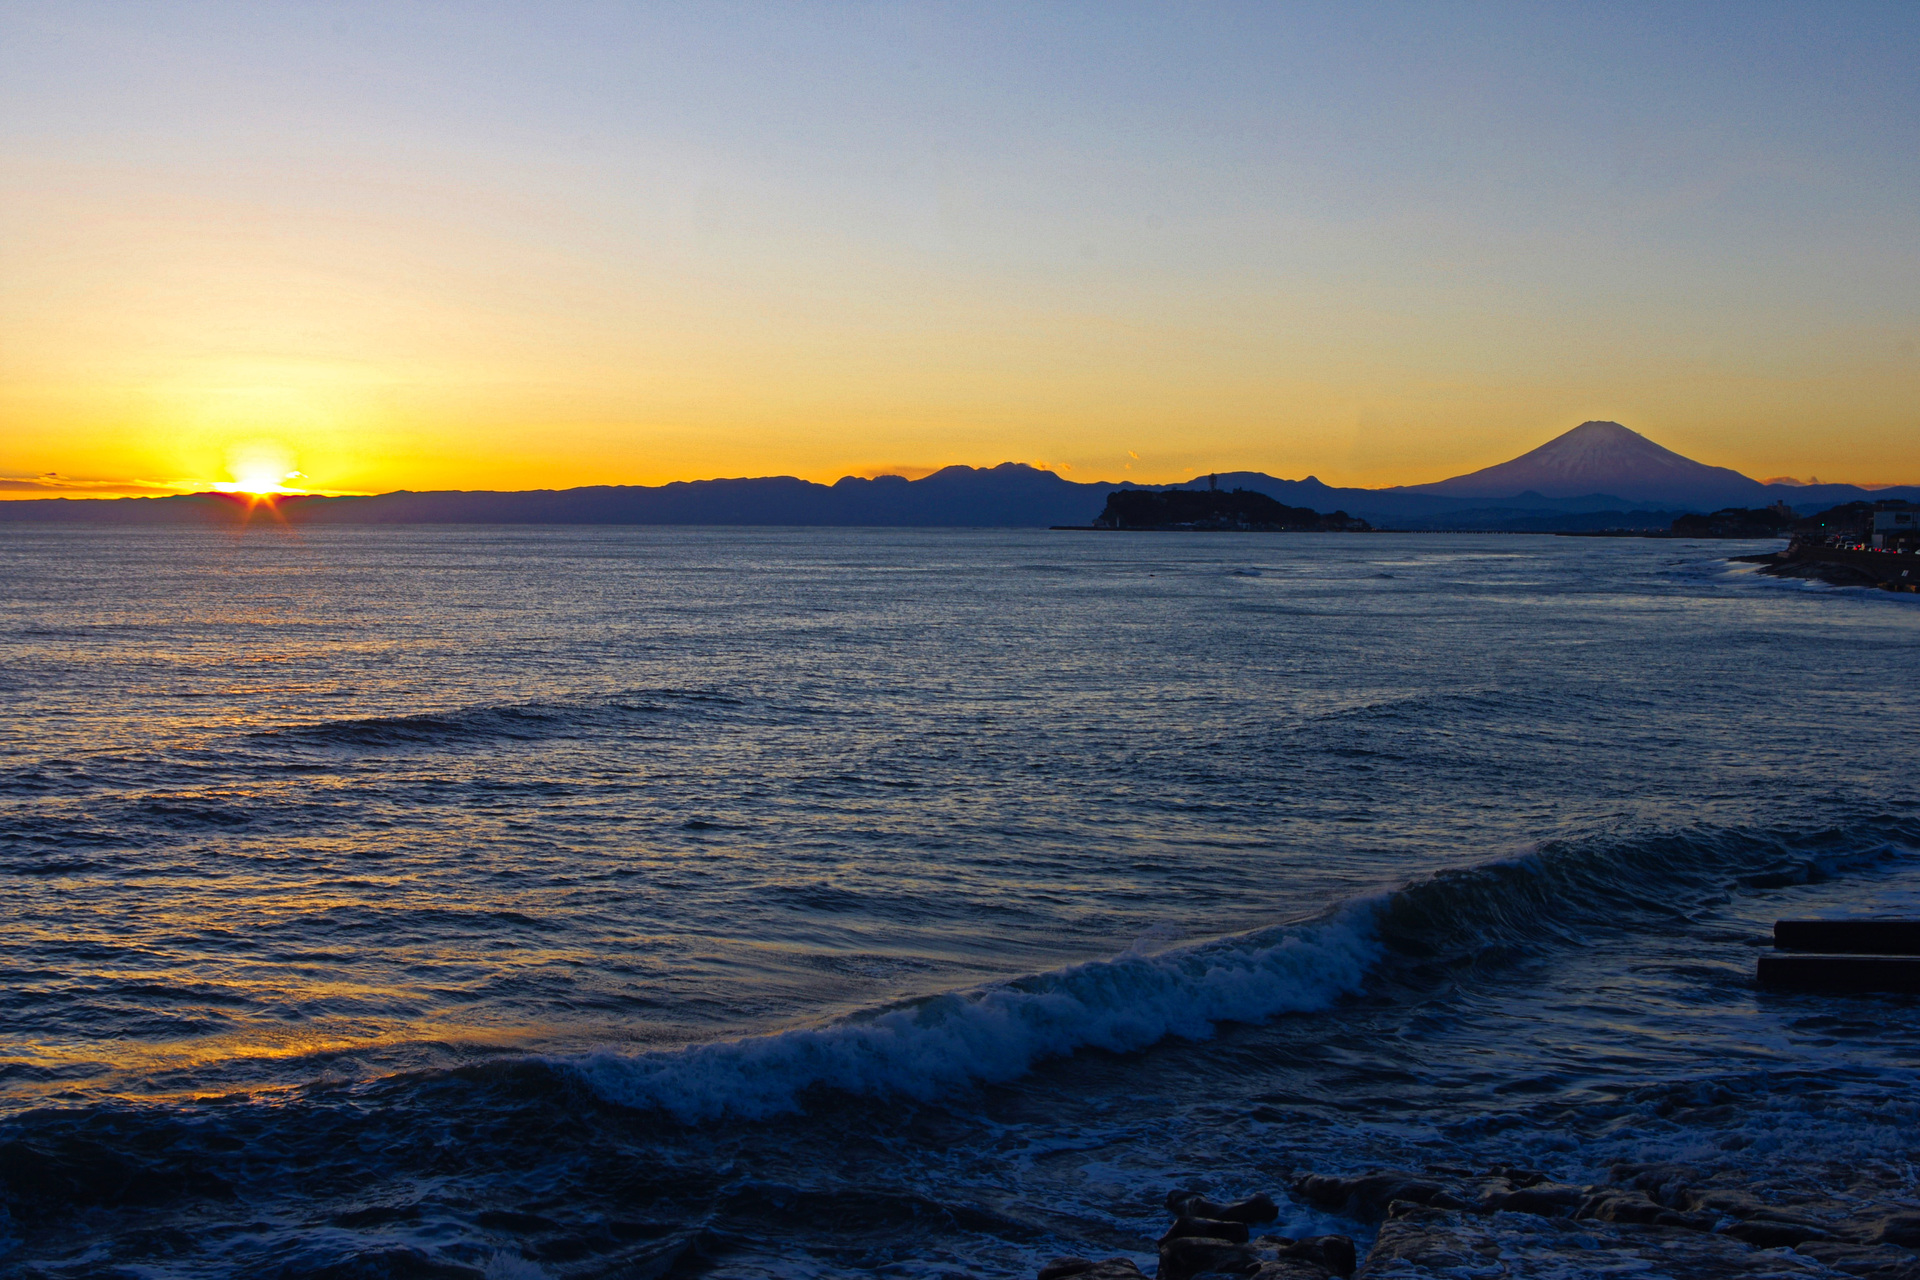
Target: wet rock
1735,1204
1902,1229
1428,1244
1088,1269
1547,1199
1289,1269
1765,1233
1417,1240
1870,1261
1253,1211
1368,1197
1213,1228
1838,575
1371,1196
1061,1268
1635,1206
1664,1184
1518,1176
1334,1255
1185,1257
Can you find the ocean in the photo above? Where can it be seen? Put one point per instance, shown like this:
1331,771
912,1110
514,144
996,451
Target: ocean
580,902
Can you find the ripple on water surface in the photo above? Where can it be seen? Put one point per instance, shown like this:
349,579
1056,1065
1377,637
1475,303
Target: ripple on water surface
562,899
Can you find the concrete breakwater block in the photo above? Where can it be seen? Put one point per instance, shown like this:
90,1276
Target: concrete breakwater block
1841,973
1849,937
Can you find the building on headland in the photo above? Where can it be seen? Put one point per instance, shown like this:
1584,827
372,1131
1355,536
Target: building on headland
1884,525
1868,544
1896,531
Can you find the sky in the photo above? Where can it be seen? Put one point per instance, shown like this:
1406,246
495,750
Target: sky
365,247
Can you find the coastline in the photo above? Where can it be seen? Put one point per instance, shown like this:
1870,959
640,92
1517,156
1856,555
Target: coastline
1885,570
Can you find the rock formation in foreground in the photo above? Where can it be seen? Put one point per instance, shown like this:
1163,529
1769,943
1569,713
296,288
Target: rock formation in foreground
1447,1223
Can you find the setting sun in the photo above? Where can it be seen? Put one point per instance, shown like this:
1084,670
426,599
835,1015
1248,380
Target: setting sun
260,484
261,468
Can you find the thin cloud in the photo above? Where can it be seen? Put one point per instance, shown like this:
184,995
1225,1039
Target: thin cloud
57,486
905,470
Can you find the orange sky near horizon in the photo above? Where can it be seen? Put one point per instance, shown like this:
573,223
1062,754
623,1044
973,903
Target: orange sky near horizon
389,249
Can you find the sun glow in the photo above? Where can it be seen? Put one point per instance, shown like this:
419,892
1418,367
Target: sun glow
260,484
260,469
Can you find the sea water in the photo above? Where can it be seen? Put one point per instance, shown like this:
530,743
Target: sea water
611,901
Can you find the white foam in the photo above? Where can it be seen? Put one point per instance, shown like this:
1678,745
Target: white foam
511,1266
998,1032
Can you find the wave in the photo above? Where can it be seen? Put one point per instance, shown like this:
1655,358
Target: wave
998,1032
479,723
512,722
1559,893
1551,895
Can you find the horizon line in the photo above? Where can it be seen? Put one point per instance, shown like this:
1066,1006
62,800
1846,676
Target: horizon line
44,493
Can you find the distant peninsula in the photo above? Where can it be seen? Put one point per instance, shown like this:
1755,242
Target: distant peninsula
1237,510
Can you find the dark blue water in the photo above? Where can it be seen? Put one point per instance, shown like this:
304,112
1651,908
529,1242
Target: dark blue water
519,902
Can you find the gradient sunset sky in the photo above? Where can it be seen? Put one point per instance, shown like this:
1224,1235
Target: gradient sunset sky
535,245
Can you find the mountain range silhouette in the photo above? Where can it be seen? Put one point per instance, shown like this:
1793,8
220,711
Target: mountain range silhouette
1597,475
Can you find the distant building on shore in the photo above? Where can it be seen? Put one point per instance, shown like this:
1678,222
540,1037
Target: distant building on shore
1896,530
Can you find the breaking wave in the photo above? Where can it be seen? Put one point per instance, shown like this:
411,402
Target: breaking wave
931,1047
997,1032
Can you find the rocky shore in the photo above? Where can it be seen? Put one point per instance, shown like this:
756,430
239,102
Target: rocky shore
1841,568
1661,1220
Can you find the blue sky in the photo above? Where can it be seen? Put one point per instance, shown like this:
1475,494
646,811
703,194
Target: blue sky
579,242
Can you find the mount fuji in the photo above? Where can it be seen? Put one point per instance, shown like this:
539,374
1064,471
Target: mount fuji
1604,458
